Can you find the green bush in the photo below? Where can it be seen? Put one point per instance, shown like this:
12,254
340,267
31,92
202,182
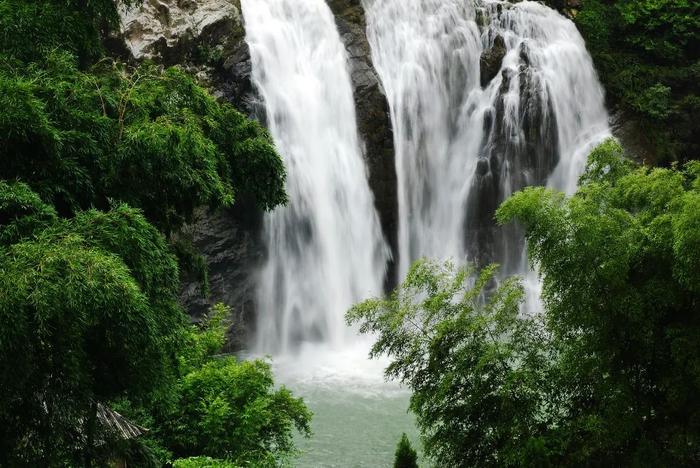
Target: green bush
220,407
202,462
31,28
22,212
405,456
78,330
148,137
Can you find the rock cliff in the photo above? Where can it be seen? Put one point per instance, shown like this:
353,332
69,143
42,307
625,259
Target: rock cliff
373,119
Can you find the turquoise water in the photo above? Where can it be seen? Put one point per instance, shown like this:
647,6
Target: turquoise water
354,430
358,416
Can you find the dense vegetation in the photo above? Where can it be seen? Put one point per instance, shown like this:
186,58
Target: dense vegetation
609,375
102,162
220,411
99,164
647,55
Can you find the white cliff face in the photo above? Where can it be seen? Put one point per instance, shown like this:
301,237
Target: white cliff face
158,25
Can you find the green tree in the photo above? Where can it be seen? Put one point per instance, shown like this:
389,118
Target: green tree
620,265
221,407
476,369
79,330
73,25
144,136
406,456
230,409
646,54
607,375
98,162
22,212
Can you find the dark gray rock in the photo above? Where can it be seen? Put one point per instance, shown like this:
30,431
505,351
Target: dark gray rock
491,60
524,161
373,120
632,136
230,242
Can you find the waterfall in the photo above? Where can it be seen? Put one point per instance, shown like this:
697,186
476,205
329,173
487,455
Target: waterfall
325,250
486,97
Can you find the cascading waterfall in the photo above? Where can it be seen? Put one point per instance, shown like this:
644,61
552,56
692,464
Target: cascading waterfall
425,54
325,249
465,140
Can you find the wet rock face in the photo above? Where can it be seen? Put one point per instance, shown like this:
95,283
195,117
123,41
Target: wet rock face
513,161
373,119
632,136
491,60
206,37
170,30
230,242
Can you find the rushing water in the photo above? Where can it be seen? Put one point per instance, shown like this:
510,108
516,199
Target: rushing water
325,249
464,142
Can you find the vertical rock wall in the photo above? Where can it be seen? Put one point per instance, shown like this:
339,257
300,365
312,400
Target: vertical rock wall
373,119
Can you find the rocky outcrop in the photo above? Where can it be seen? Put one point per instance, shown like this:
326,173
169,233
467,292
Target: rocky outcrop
230,242
632,136
491,60
520,162
206,37
373,119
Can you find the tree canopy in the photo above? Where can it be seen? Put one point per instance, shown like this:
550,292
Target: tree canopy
607,375
80,326
145,136
221,407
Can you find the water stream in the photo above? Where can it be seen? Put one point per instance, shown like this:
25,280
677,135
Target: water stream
325,248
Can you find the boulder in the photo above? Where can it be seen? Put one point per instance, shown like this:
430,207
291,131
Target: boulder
230,243
491,60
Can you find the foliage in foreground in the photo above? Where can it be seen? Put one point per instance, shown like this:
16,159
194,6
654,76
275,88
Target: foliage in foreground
31,28
223,408
99,162
405,456
144,136
608,375
89,309
202,462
